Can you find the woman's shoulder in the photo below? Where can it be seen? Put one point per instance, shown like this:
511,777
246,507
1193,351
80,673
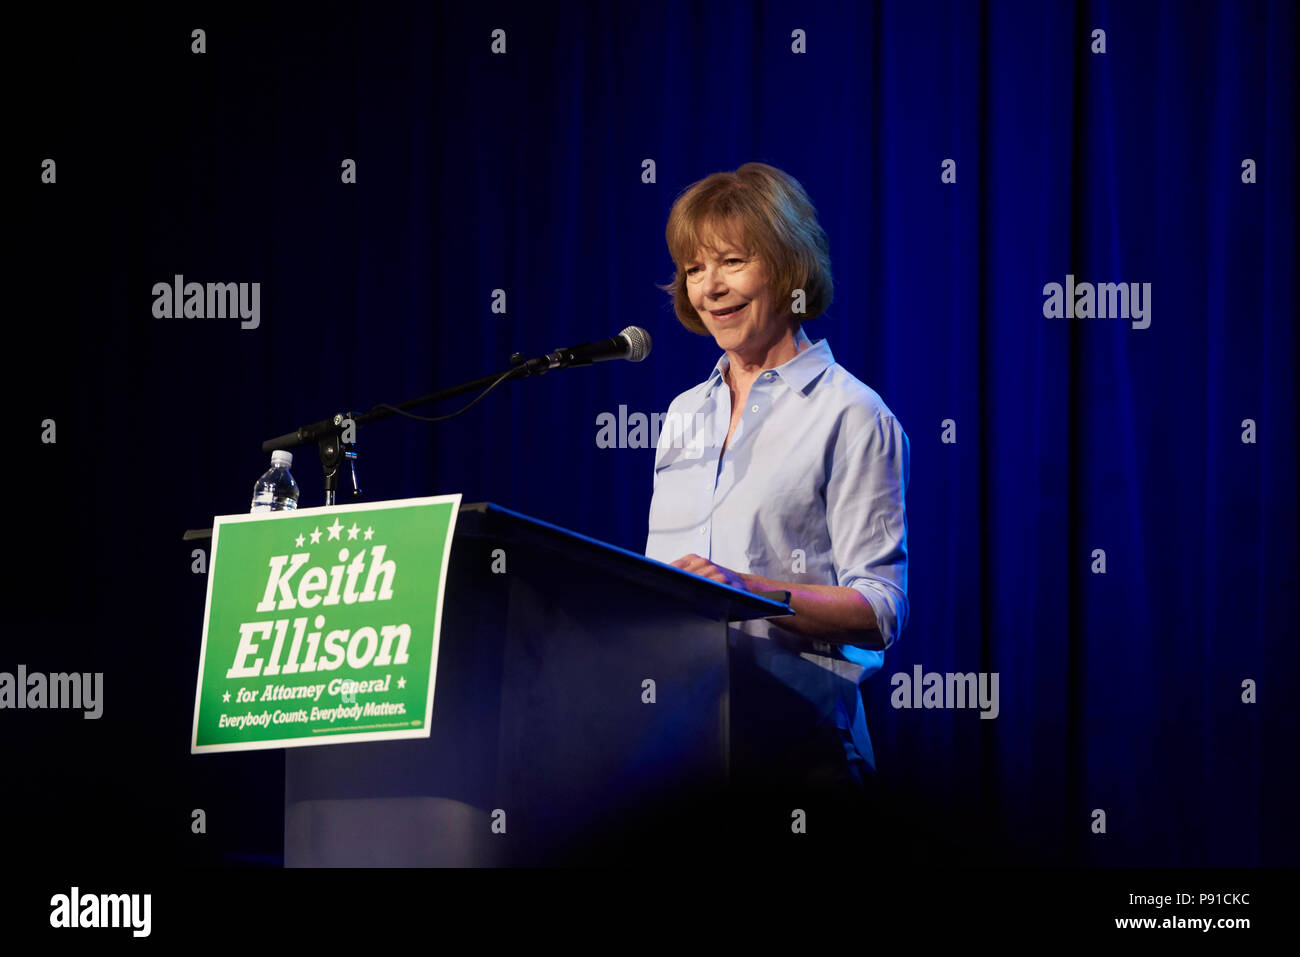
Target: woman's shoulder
855,401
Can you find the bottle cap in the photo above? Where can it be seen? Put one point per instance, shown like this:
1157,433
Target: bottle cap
281,459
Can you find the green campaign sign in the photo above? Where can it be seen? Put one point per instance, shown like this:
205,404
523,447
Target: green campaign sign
322,625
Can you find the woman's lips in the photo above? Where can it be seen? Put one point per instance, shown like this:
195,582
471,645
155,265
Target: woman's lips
727,315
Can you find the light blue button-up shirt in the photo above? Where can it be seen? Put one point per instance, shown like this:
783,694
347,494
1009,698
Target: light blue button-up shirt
810,489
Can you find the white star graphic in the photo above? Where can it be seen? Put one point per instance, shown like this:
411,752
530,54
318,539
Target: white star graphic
370,533
353,532
334,529
315,536
401,683
226,697
299,540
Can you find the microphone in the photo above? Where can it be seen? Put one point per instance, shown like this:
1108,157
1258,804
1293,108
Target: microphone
632,344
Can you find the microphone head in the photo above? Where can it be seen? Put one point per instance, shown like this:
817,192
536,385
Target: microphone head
638,343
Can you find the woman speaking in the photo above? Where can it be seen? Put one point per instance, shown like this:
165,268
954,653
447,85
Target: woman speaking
794,481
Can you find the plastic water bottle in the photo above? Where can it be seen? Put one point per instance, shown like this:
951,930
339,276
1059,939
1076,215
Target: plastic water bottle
276,489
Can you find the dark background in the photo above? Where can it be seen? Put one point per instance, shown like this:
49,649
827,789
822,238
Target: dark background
524,172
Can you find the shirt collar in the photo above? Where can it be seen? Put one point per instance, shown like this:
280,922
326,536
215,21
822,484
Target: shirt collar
796,373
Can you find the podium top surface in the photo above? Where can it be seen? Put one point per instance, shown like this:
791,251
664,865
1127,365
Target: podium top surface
710,598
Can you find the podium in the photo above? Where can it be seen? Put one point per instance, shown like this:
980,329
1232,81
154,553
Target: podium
580,715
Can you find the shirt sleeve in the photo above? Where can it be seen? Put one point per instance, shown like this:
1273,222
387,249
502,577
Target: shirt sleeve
867,518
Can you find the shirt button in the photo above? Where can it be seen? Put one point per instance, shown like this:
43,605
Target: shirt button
771,375
753,408
704,530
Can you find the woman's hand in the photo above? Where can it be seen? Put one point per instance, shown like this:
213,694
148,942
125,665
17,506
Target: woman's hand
702,566
828,613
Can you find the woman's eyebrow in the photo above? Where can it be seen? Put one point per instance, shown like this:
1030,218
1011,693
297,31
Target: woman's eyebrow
722,253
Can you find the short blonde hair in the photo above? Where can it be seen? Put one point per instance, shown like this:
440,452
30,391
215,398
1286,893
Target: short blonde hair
774,219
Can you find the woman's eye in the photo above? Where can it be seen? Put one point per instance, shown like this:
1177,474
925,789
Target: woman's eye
691,270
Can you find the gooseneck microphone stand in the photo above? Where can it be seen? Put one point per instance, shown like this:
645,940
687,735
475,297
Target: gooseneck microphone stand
335,437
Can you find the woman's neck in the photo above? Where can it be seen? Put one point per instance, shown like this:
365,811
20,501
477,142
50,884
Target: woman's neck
744,369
